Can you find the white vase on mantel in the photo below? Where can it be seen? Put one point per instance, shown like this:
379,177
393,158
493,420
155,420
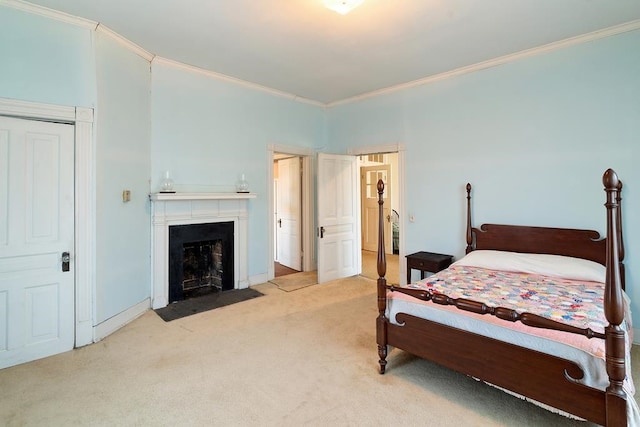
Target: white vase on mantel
166,186
242,186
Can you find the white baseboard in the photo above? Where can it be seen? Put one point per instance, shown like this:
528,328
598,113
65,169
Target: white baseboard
258,279
116,322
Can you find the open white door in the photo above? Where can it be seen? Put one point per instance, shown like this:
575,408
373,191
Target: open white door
289,213
369,176
338,217
36,238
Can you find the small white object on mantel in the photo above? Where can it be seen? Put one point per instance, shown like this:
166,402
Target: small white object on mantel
200,196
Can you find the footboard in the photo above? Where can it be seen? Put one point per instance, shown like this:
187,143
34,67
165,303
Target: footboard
501,364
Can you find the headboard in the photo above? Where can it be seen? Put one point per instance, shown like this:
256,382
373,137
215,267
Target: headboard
585,244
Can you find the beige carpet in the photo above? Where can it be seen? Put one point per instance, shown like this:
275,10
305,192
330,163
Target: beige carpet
295,281
285,359
370,267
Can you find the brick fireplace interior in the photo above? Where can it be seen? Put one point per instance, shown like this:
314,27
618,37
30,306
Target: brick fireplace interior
200,259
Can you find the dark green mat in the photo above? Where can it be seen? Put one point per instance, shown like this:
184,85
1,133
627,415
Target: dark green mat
202,303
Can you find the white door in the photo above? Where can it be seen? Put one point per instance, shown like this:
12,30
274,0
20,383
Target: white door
338,217
36,228
369,177
289,209
275,219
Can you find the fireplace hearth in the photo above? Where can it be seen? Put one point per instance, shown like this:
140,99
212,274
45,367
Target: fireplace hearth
200,259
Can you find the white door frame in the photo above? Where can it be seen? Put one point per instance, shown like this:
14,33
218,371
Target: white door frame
85,212
308,217
399,188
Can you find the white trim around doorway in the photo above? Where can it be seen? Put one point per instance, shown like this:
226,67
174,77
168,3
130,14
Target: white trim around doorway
400,149
308,217
85,212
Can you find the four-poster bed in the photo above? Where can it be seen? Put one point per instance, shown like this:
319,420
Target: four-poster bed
423,319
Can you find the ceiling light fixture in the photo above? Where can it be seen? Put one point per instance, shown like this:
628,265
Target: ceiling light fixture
342,6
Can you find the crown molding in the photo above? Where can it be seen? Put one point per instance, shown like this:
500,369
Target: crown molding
49,13
234,80
98,27
81,22
103,29
572,41
145,54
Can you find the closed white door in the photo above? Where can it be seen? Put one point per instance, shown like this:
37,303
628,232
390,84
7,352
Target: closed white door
369,177
338,217
36,229
289,213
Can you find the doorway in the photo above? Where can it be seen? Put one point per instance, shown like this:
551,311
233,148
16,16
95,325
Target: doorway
372,167
37,282
81,120
288,221
311,229
303,243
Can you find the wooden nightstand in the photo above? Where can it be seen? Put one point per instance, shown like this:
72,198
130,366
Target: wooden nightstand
427,261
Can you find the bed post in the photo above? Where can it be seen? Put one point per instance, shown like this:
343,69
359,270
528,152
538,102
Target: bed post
469,230
613,309
381,321
620,240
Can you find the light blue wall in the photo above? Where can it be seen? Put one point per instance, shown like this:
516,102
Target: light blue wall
123,116
533,136
45,60
208,132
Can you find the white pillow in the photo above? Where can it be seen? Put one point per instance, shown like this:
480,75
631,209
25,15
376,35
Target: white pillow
547,265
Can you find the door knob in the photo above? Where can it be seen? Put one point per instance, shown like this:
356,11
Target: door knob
321,232
280,223
66,259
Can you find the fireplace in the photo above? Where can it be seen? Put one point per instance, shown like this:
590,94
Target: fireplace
200,259
199,209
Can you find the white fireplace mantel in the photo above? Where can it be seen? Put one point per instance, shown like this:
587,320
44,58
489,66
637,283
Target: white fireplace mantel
169,209
200,196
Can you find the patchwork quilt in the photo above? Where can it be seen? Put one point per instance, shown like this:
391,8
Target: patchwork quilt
575,303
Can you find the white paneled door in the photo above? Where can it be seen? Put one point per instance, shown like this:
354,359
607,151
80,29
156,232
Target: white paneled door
369,177
36,240
338,217
289,213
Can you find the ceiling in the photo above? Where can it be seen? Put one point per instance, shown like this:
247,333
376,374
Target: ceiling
303,49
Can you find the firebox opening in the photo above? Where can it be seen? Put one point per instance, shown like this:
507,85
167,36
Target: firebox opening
200,259
201,267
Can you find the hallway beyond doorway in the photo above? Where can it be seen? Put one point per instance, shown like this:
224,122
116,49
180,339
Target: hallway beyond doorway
369,267
282,270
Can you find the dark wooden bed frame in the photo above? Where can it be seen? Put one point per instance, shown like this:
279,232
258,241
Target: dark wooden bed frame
542,377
